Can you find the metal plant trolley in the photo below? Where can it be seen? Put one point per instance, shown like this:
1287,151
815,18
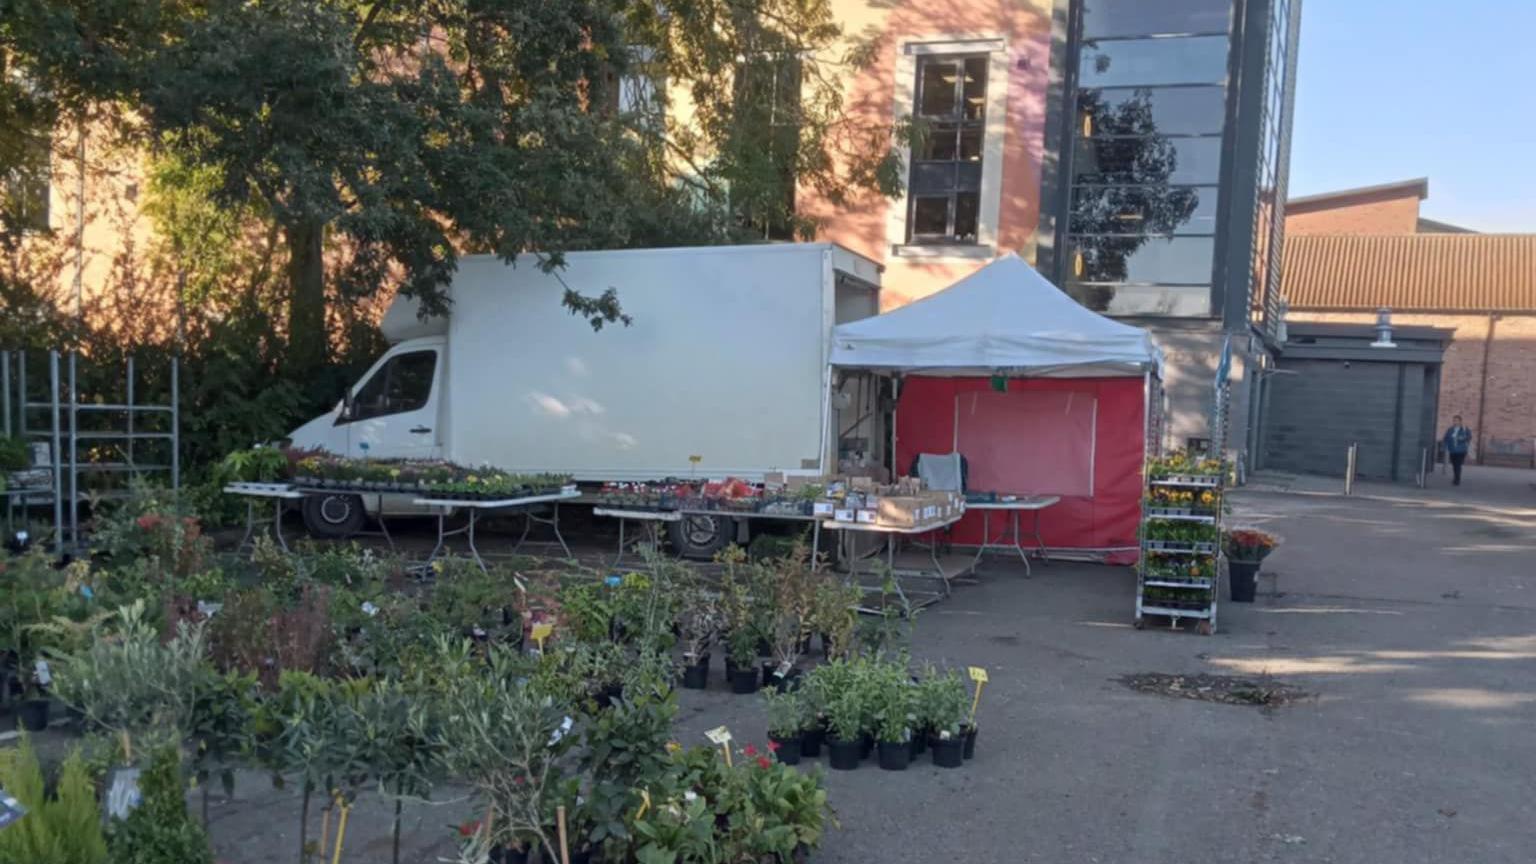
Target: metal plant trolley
1015,510
1199,592
847,531
445,506
280,494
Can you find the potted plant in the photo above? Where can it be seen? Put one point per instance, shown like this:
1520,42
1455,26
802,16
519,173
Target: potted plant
893,719
943,706
845,727
1246,550
699,623
786,723
794,604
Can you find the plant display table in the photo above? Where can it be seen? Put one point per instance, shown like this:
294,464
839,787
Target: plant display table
651,519
1015,511
1176,576
280,494
847,530
445,507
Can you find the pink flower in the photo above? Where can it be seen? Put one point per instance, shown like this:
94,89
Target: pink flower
762,762
469,828
749,750
773,746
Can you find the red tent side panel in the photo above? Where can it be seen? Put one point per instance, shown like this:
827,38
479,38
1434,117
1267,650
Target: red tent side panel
925,423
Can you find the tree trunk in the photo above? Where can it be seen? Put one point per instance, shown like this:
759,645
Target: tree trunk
307,337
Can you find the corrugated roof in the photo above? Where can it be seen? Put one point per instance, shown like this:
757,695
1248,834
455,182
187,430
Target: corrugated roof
1429,272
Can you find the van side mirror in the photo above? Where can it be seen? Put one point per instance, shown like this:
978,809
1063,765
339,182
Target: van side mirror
348,407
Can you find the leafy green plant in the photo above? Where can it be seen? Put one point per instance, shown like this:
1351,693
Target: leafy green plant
159,830
131,684
256,465
834,614
14,454
393,734
62,828
942,702
789,713
625,750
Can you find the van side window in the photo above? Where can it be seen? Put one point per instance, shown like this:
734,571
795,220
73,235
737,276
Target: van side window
403,384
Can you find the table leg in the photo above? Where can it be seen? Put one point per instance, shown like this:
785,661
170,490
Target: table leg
442,537
554,523
933,555
250,527
986,538
1018,542
277,523
474,514
383,526
1040,541
620,556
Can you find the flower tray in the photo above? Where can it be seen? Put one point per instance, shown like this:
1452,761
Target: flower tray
1205,481
1180,546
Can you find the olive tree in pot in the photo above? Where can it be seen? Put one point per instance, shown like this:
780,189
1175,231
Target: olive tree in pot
787,720
794,606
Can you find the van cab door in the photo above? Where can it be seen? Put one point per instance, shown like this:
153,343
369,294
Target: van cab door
392,413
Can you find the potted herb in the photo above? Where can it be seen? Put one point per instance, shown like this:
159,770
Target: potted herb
786,723
943,706
845,725
741,657
1246,550
893,719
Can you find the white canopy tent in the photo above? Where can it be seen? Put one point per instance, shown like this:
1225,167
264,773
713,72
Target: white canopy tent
1003,319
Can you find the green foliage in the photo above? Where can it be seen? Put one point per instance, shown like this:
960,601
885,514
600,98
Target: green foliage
159,831
941,702
625,749
135,686
789,713
258,464
14,455
64,828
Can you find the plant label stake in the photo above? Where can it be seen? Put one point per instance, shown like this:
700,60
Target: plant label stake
565,853
541,632
979,675
341,828
10,810
645,804
721,736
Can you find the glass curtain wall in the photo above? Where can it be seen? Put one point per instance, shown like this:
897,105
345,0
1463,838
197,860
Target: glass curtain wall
1151,108
1273,168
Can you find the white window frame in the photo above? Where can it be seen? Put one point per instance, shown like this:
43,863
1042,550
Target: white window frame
995,47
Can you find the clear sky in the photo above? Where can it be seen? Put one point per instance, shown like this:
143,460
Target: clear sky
1394,89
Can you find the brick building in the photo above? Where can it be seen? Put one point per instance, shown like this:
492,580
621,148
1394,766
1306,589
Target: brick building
1352,253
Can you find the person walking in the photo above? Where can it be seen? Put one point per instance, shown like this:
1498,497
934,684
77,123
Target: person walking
1457,439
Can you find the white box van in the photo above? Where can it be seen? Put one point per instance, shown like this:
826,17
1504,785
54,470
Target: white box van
722,372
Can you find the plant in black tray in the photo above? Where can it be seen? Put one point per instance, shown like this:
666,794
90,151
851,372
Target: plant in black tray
786,723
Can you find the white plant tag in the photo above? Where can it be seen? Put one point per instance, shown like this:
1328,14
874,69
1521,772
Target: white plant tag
565,726
369,609
41,673
208,609
719,735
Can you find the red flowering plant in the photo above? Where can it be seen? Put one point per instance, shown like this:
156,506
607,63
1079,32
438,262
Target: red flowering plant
1248,544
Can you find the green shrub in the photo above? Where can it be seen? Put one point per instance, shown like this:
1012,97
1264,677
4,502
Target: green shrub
63,829
159,831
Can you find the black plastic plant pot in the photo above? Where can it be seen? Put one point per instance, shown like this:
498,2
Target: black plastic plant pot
1243,576
609,695
895,755
918,744
696,675
744,680
578,856
787,682
789,748
845,754
509,855
32,715
768,677
947,752
968,732
810,742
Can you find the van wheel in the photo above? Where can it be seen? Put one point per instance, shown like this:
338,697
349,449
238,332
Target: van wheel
700,537
334,517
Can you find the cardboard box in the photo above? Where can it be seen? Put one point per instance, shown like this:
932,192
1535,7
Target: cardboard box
861,484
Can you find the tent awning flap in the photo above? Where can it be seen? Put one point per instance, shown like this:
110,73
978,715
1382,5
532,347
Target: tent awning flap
1005,317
